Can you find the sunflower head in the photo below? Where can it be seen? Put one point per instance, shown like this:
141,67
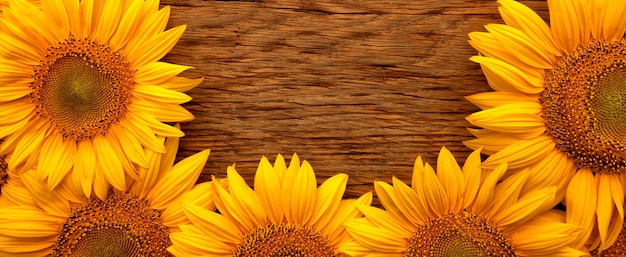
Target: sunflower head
286,214
583,102
121,225
136,221
459,212
82,88
557,106
86,99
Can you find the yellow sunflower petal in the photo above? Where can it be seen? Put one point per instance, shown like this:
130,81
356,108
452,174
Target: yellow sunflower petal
51,202
508,192
28,222
180,179
190,244
108,162
522,153
304,196
510,118
171,148
565,24
109,19
58,158
382,219
155,125
520,16
489,46
472,175
484,197
25,247
451,178
100,184
145,136
375,238
29,17
212,224
14,111
521,45
505,77
16,193
288,184
581,193
56,16
160,94
17,50
131,146
155,73
155,48
27,143
200,195
87,167
242,203
613,26
8,95
127,25
335,230
543,173
544,238
387,197
164,112
492,142
355,249
489,100
280,168
154,23
329,195
528,206
610,198
410,204
613,235
435,194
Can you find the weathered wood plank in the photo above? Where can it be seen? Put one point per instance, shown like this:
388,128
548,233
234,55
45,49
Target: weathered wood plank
354,86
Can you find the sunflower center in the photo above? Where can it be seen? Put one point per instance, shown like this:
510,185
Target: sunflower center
284,240
584,102
458,234
121,225
4,175
82,87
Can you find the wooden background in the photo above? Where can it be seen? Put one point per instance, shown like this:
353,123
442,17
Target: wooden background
355,86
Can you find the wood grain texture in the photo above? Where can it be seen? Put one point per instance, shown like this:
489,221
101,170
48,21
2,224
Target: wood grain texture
355,86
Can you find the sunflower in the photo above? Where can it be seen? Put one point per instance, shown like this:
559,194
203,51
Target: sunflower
460,212
558,105
285,215
136,221
82,92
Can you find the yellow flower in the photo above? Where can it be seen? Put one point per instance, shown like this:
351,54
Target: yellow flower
558,105
460,212
82,93
136,221
285,215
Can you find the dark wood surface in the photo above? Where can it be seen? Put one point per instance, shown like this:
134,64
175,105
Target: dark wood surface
355,86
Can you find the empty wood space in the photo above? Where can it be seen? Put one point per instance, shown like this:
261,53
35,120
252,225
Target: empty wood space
360,87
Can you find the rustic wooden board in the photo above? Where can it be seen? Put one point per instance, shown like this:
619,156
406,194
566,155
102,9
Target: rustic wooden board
355,86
